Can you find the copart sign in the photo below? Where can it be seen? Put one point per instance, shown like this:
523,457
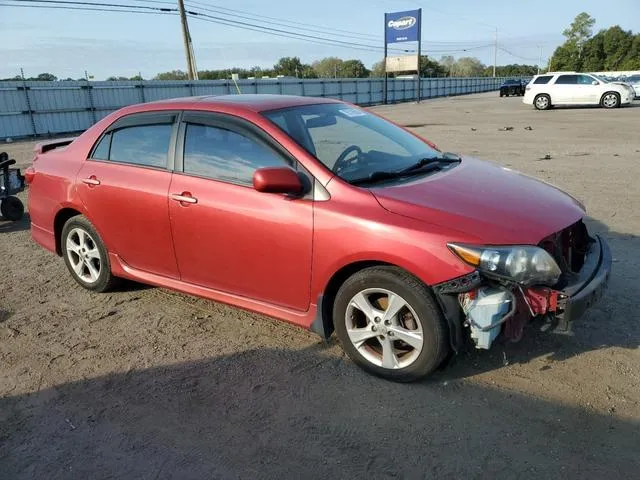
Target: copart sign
402,26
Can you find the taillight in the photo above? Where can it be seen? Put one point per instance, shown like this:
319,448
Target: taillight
29,174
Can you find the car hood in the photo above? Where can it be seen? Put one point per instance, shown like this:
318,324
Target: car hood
486,203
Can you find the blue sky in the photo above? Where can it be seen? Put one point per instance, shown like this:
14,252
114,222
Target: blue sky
67,42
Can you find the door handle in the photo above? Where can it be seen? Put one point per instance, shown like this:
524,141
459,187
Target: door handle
184,197
92,180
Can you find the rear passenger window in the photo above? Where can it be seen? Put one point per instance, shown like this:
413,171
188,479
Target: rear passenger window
225,155
567,80
101,152
146,145
542,80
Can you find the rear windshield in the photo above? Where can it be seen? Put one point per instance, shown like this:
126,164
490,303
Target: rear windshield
512,82
542,80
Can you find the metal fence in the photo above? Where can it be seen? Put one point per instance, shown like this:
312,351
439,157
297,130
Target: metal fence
47,108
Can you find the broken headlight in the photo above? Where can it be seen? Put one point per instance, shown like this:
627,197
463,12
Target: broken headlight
523,264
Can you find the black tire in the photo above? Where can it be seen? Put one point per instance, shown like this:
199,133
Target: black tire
501,93
105,280
419,297
11,208
541,105
604,103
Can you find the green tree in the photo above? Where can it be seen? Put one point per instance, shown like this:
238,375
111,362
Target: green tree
289,67
377,69
354,69
580,29
112,79
565,57
447,62
617,44
568,56
137,77
172,75
430,68
44,77
328,67
632,61
593,55
468,67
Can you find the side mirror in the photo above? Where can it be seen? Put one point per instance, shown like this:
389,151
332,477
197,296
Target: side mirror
277,180
595,82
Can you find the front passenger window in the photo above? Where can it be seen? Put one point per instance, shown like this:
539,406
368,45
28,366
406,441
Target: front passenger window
225,155
585,80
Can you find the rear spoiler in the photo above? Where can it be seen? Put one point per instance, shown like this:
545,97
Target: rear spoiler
44,147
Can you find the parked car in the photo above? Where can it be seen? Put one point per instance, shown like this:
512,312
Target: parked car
321,214
512,86
634,81
571,88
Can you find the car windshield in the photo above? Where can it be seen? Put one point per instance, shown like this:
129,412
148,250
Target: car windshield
353,143
512,82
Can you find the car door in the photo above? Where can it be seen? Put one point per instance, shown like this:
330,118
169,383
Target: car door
564,90
124,186
227,235
589,89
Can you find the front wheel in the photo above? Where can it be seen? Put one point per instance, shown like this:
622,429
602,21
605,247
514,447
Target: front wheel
389,323
610,100
85,255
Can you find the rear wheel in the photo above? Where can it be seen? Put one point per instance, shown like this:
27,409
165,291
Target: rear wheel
610,100
389,324
11,208
542,102
85,255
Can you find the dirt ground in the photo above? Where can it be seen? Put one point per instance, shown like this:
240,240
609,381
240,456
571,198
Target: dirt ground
148,383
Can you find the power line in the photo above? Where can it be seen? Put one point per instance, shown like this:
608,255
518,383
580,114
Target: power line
87,9
291,22
77,2
518,56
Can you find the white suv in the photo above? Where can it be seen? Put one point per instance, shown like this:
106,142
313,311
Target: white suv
571,88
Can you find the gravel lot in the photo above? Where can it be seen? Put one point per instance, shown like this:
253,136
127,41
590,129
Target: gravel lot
148,383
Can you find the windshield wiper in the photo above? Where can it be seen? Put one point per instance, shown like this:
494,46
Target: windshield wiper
434,163
445,158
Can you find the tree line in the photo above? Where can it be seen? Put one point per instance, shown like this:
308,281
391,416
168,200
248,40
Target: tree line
611,49
331,67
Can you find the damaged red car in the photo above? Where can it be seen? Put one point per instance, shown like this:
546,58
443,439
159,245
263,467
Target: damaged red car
322,214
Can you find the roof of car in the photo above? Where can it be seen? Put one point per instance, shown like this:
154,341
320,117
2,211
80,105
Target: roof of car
248,101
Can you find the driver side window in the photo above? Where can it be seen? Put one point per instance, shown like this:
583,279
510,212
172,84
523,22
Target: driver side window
330,141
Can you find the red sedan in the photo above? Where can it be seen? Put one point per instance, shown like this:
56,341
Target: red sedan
319,213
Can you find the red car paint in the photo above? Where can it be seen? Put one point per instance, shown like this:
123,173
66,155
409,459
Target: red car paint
273,254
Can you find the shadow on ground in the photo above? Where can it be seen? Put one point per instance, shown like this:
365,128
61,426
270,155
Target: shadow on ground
7,226
300,414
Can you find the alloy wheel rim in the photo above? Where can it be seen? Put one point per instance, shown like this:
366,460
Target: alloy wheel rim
384,328
83,255
542,102
610,100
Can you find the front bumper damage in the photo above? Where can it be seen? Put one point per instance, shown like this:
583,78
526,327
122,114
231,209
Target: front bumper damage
490,309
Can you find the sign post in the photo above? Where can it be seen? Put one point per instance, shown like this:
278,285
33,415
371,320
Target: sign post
401,27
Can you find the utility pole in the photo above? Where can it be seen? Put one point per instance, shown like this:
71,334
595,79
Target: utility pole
495,52
540,61
188,46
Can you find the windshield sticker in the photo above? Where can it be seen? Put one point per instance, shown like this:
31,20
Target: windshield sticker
352,112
